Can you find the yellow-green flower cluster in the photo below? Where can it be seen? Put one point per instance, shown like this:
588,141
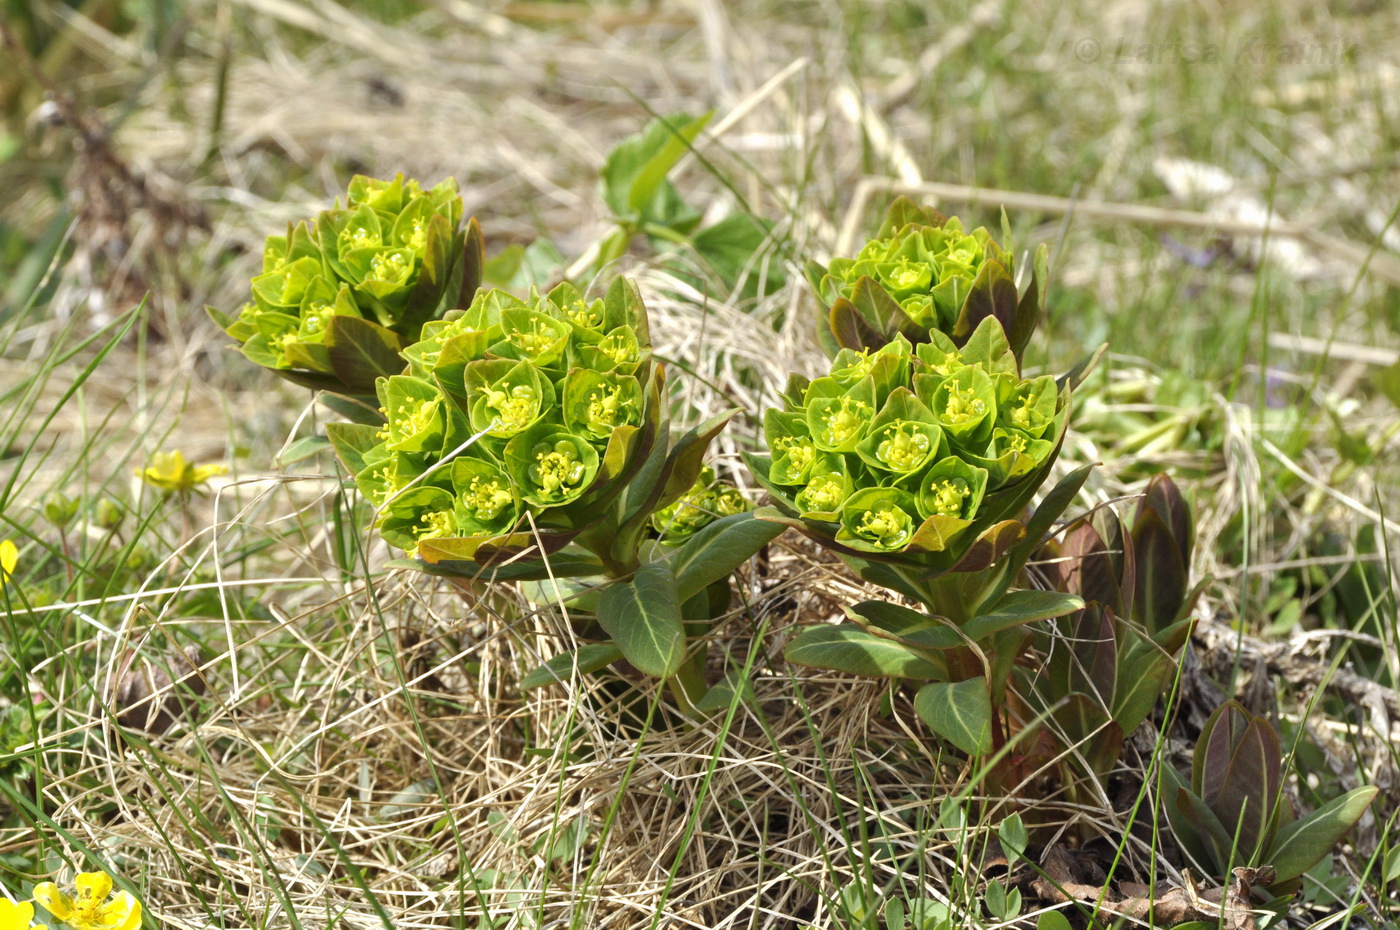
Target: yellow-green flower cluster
903,448
706,501
922,273
511,407
928,270
390,256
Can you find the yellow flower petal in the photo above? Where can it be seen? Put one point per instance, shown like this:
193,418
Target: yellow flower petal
93,886
52,900
9,558
171,472
124,913
15,916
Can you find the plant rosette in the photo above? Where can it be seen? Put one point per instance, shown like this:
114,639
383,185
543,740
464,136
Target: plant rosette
924,274
1233,812
1112,660
915,465
342,293
528,440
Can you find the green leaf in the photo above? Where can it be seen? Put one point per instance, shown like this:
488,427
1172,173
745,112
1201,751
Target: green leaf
361,351
564,841
1054,920
1014,839
1387,381
1301,844
732,247
687,457
848,648
1020,607
643,616
960,712
304,448
905,624
636,169
351,441
473,263
1160,575
589,658
1082,369
716,550
1203,828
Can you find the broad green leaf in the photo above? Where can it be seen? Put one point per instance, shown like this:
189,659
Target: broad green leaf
589,658
351,441
722,695
1054,920
1201,821
304,448
732,248
1301,844
1171,792
960,712
637,167
1014,839
848,648
643,616
687,457
1020,607
1160,577
905,211
851,330
361,351
716,550
906,624
563,842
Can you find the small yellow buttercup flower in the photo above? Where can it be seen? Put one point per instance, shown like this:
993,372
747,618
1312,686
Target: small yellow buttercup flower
15,916
171,473
9,558
91,906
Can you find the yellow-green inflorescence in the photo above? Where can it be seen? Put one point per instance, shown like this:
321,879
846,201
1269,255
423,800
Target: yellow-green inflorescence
388,257
708,500
515,415
901,449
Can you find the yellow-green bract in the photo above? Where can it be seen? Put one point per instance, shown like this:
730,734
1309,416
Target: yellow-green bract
340,294
909,452
921,274
511,407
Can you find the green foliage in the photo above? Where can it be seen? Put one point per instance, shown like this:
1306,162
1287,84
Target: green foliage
528,439
1115,657
1233,813
915,465
342,293
913,458
923,274
635,186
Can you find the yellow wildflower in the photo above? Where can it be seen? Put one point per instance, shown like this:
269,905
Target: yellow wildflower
16,916
170,472
9,558
89,908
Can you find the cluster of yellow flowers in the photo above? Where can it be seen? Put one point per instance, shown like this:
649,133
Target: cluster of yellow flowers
91,906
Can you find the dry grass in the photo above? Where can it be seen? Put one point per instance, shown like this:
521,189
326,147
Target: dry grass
360,754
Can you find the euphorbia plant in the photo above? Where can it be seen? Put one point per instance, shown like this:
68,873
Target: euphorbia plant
528,439
1116,656
1233,812
915,465
921,274
342,293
